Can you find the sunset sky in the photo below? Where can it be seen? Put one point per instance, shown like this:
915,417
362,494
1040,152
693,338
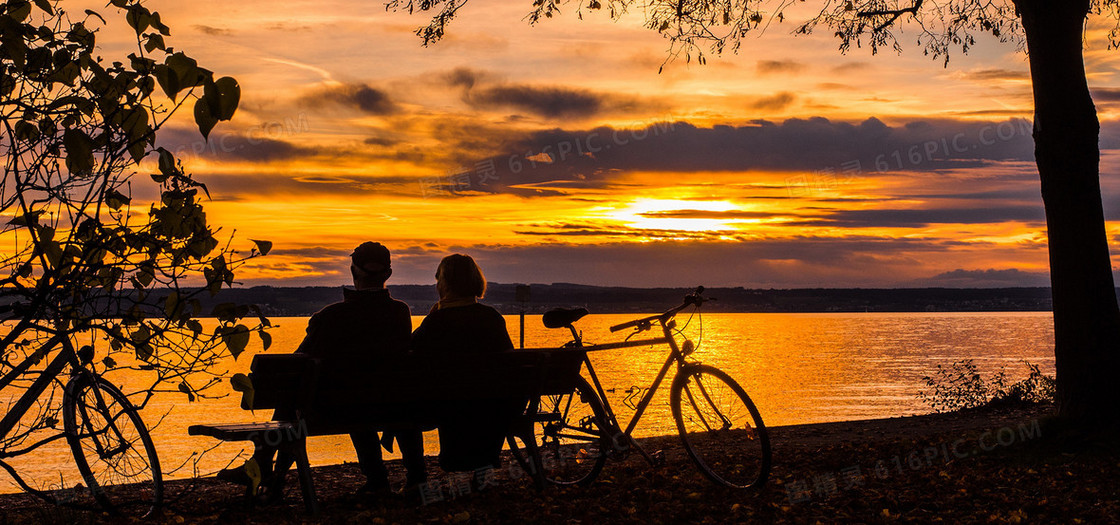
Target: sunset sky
558,153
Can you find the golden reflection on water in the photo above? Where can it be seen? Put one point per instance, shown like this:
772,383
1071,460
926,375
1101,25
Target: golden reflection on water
798,368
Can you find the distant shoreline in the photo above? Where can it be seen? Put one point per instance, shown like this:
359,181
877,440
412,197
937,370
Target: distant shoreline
304,301
278,301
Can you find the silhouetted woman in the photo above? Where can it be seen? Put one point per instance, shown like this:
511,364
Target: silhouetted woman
470,436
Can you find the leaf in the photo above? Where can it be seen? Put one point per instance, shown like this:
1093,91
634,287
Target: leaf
89,12
137,150
46,233
154,42
168,80
26,131
145,276
45,5
186,389
159,25
79,151
263,246
236,338
241,383
244,384
135,123
185,69
109,362
140,335
266,339
19,11
7,84
138,17
253,470
67,74
115,199
203,117
213,285
166,166
229,96
85,355
27,219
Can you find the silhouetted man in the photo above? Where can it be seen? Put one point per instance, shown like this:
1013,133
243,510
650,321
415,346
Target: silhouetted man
356,336
351,339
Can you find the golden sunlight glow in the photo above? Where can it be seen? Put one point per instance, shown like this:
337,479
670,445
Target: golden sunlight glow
666,214
812,166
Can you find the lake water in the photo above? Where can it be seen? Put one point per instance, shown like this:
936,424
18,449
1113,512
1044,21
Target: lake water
798,368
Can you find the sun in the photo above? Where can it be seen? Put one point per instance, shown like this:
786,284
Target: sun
674,214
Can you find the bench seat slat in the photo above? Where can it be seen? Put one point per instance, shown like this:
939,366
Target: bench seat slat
244,431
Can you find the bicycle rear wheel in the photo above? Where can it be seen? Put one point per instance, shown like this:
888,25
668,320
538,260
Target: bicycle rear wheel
572,443
720,427
111,446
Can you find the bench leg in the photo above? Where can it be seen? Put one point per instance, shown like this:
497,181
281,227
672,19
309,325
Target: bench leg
306,484
535,463
531,463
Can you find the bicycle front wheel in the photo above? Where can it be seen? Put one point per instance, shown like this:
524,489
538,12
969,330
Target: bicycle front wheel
720,427
111,446
572,440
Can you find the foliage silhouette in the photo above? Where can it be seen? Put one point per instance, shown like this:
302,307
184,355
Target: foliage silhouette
97,260
960,387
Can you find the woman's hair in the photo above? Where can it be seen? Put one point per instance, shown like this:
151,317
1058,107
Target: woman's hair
462,276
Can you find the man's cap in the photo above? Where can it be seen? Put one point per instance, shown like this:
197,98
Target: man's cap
371,257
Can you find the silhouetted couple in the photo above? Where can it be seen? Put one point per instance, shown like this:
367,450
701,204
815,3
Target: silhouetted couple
369,329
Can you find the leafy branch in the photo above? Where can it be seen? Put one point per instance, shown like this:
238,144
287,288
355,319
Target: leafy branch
101,261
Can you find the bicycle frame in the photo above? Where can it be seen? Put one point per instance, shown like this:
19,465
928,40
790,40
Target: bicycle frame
675,356
67,357
54,369
713,414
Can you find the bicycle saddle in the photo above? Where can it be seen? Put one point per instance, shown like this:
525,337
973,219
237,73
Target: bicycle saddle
561,317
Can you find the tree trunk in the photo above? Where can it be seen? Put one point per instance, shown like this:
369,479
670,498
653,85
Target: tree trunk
1066,130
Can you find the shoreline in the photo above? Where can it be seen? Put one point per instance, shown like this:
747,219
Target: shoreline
913,468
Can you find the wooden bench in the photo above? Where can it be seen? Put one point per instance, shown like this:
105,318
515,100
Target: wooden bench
419,385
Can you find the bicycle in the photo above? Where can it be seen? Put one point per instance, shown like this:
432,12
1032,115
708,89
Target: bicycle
719,425
110,443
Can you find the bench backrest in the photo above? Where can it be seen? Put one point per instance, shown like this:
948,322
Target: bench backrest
290,380
281,380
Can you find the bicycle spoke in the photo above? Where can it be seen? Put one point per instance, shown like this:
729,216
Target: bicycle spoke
720,428
715,406
111,446
696,407
570,442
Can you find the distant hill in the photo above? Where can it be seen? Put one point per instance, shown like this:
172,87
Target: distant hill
281,301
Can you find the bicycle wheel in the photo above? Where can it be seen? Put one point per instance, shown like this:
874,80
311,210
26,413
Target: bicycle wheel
572,441
111,446
720,427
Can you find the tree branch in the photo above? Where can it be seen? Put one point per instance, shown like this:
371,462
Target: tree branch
894,14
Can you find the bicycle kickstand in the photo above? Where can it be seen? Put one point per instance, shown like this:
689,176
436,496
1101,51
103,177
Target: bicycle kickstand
656,459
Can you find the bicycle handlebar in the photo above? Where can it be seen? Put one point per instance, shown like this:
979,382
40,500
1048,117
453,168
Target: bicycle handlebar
636,322
643,324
